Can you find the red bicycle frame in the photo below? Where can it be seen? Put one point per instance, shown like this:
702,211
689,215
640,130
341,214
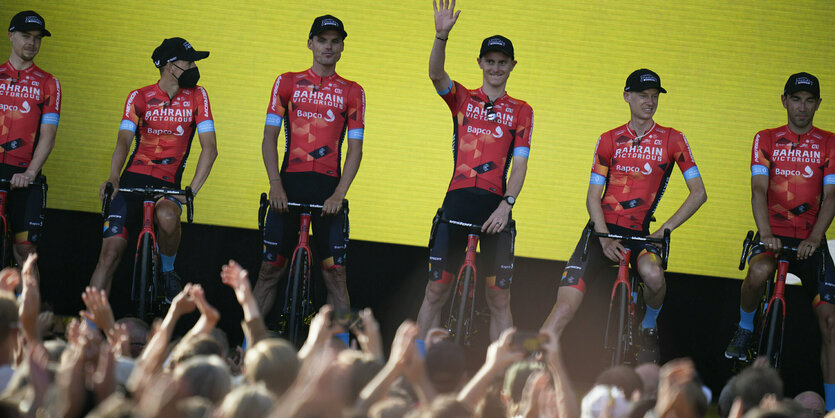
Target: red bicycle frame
148,207
469,261
779,286
623,278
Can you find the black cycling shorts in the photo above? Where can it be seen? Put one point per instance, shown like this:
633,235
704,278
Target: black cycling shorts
817,273
447,242
24,208
330,233
126,208
578,273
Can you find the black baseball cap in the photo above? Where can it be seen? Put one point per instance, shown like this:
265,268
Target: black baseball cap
26,21
496,43
643,79
802,82
173,49
325,23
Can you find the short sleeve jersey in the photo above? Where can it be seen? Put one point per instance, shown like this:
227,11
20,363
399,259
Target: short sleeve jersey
635,171
486,136
163,129
797,166
317,113
28,99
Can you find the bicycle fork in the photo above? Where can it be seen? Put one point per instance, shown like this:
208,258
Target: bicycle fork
465,290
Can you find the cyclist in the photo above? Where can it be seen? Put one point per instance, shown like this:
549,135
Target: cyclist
161,119
318,109
490,129
30,105
631,167
793,202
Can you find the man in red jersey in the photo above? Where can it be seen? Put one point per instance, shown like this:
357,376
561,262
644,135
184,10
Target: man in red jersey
631,168
161,120
793,201
319,109
490,129
30,105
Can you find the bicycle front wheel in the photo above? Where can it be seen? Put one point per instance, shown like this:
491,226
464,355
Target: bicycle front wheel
617,326
295,312
464,319
771,336
145,271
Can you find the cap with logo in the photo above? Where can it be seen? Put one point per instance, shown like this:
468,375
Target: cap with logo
496,43
802,82
643,79
173,49
326,23
26,21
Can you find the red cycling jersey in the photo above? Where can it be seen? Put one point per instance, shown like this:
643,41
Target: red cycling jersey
163,128
635,171
797,166
319,111
486,136
28,99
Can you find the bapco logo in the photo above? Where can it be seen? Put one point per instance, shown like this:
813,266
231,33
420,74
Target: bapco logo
647,169
329,117
25,107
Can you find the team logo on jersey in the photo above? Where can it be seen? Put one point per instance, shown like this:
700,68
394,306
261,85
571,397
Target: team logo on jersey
647,169
498,132
807,173
329,117
179,130
25,107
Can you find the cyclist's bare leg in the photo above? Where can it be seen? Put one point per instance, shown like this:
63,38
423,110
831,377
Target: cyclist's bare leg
112,249
498,300
826,320
655,288
760,268
264,292
429,315
567,304
167,218
21,253
336,281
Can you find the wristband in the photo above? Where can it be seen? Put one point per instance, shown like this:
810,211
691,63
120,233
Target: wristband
441,39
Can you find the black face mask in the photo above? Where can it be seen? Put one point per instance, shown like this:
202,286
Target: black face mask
188,78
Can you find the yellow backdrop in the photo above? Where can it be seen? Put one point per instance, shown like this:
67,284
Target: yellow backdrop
723,63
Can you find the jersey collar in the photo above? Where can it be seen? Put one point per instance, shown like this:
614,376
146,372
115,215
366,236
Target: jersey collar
632,133
790,134
8,65
483,96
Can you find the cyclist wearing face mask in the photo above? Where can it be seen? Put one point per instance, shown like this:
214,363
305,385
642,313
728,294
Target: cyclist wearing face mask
161,120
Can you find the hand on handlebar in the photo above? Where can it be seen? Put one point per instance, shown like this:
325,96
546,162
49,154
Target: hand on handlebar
807,247
332,205
498,220
612,249
773,244
278,198
115,184
21,180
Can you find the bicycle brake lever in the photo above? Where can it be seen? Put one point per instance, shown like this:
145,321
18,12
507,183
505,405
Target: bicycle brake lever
589,231
262,211
666,248
189,204
105,201
746,244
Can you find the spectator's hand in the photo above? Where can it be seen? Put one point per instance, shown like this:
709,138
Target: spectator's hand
46,324
70,392
234,276
160,398
30,303
333,204
320,332
501,352
9,279
278,198
182,303
236,362
208,314
403,345
445,17
368,335
415,368
98,309
120,341
103,380
671,386
149,361
37,358
498,219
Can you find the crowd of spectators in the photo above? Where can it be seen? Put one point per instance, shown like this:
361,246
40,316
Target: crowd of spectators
126,368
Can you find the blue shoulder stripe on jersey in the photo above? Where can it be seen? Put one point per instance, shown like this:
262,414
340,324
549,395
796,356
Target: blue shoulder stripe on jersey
597,179
50,118
521,152
206,126
759,170
444,92
273,120
356,133
829,179
127,126
691,173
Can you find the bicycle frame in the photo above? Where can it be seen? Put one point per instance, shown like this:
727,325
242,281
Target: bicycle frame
297,296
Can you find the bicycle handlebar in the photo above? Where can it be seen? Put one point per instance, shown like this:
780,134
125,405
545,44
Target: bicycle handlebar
665,241
472,227
149,192
265,205
749,243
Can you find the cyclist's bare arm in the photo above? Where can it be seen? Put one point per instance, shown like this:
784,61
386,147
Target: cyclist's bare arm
445,18
208,154
46,142
759,206
352,165
499,218
695,199
120,155
611,249
269,151
808,246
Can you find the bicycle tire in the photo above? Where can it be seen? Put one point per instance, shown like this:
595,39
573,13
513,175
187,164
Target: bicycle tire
618,319
8,256
465,283
296,308
145,268
771,338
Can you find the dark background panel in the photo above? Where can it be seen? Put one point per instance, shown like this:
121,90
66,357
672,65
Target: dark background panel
697,320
